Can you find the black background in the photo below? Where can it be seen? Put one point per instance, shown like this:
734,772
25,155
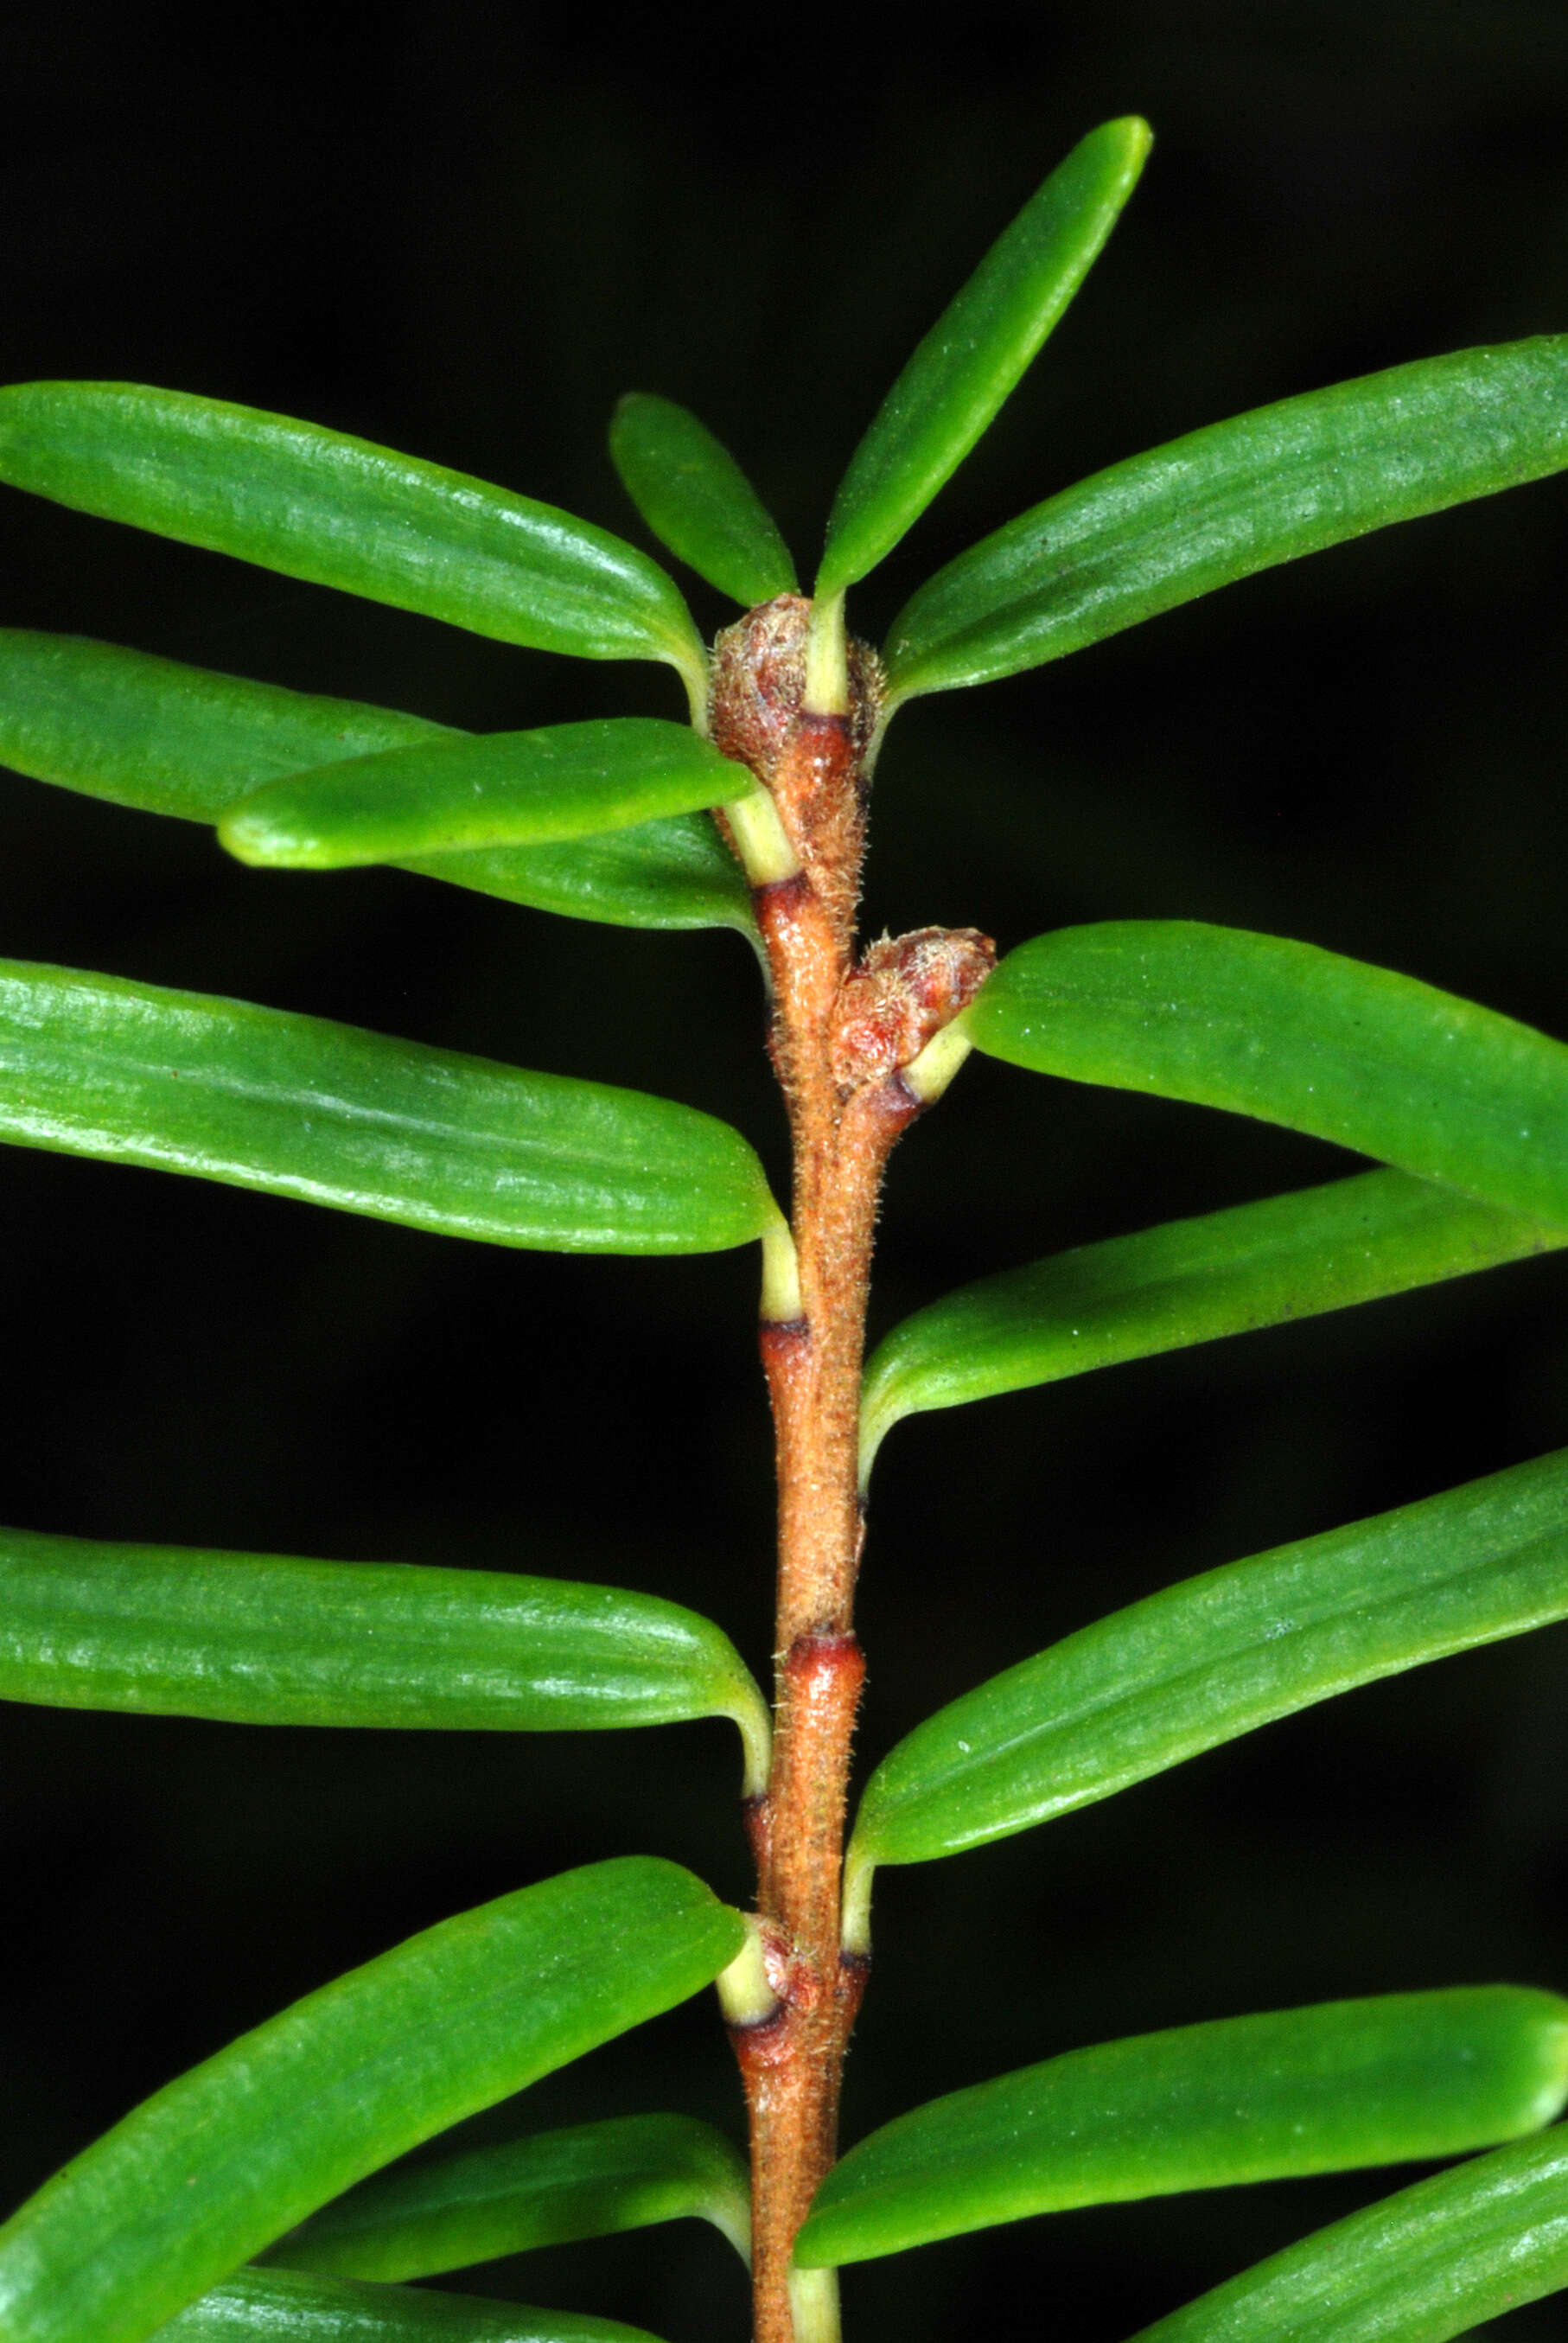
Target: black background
463,234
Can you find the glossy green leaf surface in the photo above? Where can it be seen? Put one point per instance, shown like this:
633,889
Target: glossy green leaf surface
218,2164
473,2207
260,1098
1325,2089
282,2307
1295,1035
164,737
697,500
659,874
338,512
169,738
267,1639
493,789
1431,2262
1235,497
1186,1281
1217,1655
677,873
973,356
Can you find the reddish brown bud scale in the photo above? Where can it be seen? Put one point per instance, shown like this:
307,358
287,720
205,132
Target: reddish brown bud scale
904,990
758,682
759,688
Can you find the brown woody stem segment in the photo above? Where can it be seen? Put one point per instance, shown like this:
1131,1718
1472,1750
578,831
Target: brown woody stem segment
843,1032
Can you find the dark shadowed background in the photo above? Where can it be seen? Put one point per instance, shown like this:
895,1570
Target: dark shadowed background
463,234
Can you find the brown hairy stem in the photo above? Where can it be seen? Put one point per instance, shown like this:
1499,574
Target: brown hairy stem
842,1033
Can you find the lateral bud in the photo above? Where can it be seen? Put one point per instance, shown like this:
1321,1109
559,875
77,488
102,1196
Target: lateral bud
896,1008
